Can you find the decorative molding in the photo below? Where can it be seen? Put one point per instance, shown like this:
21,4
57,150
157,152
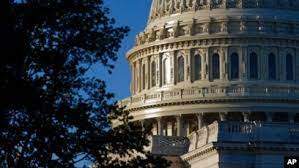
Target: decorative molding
161,8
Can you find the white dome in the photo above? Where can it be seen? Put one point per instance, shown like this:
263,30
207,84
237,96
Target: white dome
200,61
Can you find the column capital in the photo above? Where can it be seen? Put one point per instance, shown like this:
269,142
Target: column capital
199,114
178,117
159,118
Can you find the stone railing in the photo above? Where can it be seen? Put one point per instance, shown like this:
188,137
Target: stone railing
162,8
169,145
290,93
245,132
203,136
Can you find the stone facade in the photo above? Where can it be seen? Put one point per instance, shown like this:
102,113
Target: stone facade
233,62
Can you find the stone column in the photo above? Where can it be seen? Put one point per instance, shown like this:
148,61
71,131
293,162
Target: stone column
169,128
173,68
143,75
246,116
223,63
269,116
188,62
292,117
142,124
222,116
281,64
150,75
159,71
160,128
297,66
139,78
187,128
147,73
199,120
263,64
155,128
132,79
204,65
244,68
179,125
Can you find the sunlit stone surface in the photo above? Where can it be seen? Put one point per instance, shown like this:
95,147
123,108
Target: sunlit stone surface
218,80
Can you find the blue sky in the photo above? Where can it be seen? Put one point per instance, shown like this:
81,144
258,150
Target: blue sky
132,13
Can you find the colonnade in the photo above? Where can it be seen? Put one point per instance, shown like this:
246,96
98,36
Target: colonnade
215,64
183,125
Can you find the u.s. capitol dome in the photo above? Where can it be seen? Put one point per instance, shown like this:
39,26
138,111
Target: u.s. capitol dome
218,80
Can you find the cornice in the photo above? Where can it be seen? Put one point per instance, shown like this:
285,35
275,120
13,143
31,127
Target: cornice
230,93
213,101
204,41
199,153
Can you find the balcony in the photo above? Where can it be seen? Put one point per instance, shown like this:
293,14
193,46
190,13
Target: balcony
169,145
273,134
248,133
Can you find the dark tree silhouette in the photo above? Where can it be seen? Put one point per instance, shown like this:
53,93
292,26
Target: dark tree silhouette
53,114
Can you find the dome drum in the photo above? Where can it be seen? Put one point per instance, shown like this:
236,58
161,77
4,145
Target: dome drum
216,65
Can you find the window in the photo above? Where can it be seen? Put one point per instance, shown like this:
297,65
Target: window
166,71
197,67
153,73
143,77
215,66
181,67
234,66
289,67
272,66
253,61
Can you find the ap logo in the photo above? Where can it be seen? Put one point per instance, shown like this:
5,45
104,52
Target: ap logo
291,162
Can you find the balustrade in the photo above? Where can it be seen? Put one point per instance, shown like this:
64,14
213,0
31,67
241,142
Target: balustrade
199,93
244,132
170,145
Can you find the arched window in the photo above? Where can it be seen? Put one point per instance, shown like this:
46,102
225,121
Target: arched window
181,67
166,71
153,73
289,67
272,66
253,62
143,77
215,66
234,66
197,67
